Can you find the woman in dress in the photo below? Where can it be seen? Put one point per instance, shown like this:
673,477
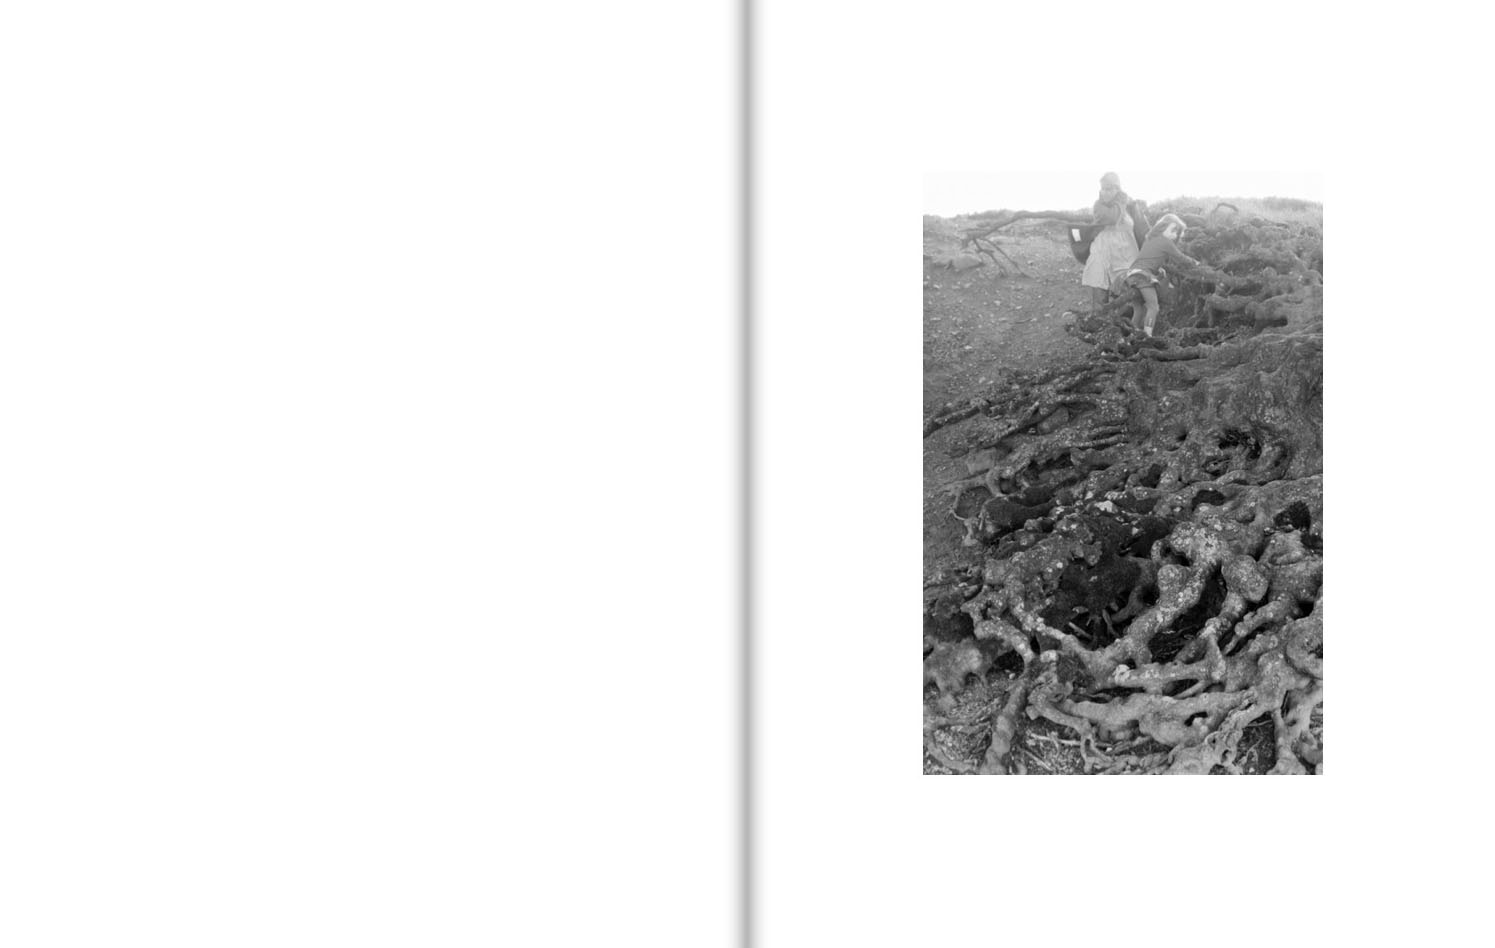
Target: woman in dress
1114,246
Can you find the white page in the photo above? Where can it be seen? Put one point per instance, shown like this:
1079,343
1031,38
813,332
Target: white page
859,102
369,480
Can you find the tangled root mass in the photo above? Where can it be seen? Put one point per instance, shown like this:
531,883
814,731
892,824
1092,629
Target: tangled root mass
1149,537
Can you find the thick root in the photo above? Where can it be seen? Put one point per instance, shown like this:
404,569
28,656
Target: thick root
1150,530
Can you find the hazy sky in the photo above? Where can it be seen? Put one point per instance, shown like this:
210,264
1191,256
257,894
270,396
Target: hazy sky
951,193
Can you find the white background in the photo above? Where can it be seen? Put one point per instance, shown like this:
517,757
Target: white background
860,849
368,509
367,496
948,193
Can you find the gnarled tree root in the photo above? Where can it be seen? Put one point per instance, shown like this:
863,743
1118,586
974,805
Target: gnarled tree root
1149,524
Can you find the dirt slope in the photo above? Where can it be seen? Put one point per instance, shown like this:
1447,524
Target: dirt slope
979,323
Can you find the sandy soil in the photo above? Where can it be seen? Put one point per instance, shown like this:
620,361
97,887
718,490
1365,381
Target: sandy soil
978,325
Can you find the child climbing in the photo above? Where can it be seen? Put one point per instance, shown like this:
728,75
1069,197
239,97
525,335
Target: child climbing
1160,247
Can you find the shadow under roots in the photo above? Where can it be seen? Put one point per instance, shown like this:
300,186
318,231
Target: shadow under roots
1166,645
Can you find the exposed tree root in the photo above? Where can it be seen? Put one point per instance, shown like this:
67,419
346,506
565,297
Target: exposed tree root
1150,523
1003,728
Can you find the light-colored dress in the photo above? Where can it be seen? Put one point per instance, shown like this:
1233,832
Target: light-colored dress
1111,253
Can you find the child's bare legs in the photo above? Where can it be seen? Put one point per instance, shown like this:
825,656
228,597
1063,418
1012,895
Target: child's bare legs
1097,299
1150,298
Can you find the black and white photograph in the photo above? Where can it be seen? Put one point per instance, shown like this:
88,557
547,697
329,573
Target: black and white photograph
1123,477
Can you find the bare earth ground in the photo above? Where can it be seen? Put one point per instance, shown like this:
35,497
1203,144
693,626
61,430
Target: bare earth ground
978,324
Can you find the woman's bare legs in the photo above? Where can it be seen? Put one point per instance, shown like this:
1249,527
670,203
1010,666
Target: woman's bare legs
1097,300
